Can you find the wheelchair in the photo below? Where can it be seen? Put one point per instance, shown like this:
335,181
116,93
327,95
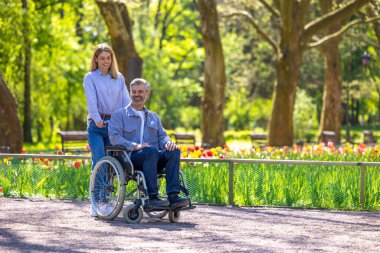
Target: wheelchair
109,184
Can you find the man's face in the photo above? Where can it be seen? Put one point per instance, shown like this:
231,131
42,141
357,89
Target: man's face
139,95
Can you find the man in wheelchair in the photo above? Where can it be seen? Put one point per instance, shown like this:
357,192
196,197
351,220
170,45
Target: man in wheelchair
150,149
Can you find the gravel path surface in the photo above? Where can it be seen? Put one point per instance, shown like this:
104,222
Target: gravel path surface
32,225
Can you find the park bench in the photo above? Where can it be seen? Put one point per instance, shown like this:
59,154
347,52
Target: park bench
74,141
185,139
329,136
368,137
5,149
259,139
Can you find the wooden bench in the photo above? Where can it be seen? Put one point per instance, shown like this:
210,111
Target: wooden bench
185,139
74,141
368,137
5,149
329,136
259,139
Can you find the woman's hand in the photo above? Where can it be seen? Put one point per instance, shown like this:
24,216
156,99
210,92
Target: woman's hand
100,124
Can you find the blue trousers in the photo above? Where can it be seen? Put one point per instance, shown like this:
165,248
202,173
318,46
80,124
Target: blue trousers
149,160
97,140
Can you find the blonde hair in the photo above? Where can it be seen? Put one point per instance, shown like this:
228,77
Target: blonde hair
98,50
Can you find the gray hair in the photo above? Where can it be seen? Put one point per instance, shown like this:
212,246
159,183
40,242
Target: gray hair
139,81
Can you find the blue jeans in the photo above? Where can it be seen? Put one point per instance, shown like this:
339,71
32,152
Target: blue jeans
149,160
97,140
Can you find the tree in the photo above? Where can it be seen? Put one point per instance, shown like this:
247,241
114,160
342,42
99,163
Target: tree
331,115
10,127
120,28
27,125
212,125
296,35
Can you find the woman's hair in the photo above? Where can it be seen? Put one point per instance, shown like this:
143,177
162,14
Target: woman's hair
98,50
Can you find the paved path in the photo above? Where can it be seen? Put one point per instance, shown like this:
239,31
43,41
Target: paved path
65,226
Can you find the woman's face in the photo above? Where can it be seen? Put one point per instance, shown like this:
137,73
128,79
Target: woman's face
104,61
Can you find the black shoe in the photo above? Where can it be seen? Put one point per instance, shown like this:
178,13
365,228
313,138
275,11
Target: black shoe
154,201
177,201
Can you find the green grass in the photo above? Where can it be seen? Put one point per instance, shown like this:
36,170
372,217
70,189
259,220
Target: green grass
333,187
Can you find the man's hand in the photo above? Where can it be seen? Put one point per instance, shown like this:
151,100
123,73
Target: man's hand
170,146
141,146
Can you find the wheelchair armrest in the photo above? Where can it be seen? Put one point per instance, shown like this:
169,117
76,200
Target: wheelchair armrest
115,148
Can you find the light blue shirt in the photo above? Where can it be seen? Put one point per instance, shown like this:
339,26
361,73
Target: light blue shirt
125,126
104,94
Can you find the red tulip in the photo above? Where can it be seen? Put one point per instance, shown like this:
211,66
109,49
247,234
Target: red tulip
77,164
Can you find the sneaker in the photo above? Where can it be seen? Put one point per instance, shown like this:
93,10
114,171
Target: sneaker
155,201
106,209
177,201
92,211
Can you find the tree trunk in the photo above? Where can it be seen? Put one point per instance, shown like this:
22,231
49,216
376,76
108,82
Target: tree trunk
288,72
10,126
281,122
212,125
119,26
332,111
27,125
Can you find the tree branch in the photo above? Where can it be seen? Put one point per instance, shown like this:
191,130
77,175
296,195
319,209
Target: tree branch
369,42
270,9
184,58
342,31
265,36
332,18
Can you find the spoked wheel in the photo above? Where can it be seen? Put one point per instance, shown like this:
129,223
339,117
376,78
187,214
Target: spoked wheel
157,214
107,188
174,216
132,216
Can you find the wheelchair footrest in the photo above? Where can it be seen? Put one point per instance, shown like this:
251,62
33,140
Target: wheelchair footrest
169,208
184,208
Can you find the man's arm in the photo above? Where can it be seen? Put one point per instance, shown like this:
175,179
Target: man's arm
115,131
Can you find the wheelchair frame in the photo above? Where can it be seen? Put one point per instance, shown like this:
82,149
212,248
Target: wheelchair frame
109,179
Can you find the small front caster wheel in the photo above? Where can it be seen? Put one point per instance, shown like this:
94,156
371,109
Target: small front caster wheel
132,216
174,216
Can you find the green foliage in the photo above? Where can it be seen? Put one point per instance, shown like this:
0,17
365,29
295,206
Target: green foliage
45,178
62,37
304,116
333,187
244,113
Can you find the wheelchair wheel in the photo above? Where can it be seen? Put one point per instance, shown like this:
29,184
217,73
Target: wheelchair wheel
132,216
157,214
174,216
107,188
